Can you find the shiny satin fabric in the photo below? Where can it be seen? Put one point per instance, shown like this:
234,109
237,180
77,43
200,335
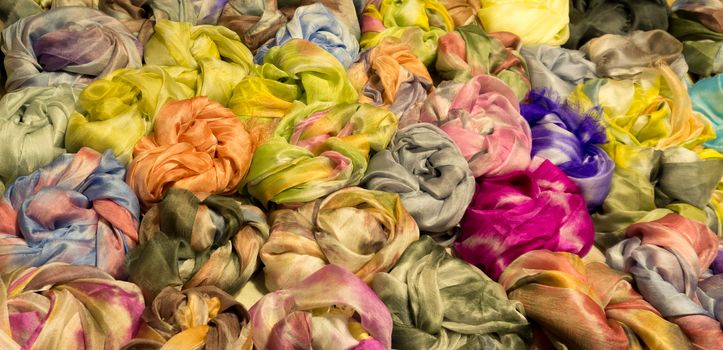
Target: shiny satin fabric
37,50
534,21
76,209
550,284
67,307
424,166
705,96
195,318
32,126
482,116
699,25
390,76
418,23
667,258
197,145
330,309
540,208
556,69
359,230
468,51
570,139
316,151
443,303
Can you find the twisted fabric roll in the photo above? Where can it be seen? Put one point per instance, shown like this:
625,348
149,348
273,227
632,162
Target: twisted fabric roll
432,178
535,22
523,211
556,69
706,95
195,318
667,258
197,145
440,302
360,230
32,125
570,140
551,284
188,241
67,45
316,151
313,315
76,209
468,51
418,23
389,75
593,18
699,25
482,116
67,307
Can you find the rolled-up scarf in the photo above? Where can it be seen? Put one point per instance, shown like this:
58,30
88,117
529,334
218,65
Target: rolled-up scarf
360,230
534,21
330,309
316,151
418,23
432,178
482,116
706,95
389,75
67,307
555,68
699,25
195,318
522,211
593,18
440,302
67,45
463,12
189,240
197,145
550,284
570,139
469,51
667,258
76,209
32,126
318,25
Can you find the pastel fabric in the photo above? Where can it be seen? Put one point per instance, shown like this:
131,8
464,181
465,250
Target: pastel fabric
32,124
432,178
12,11
312,315
523,211
440,302
37,54
76,210
359,230
197,145
556,69
616,316
67,307
482,116
668,257
535,22
189,240
699,25
463,12
191,11
705,96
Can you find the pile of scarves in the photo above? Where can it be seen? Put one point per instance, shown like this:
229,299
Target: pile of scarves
361,174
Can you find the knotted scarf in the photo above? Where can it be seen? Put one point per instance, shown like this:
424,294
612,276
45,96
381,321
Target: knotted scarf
699,25
556,69
534,21
706,95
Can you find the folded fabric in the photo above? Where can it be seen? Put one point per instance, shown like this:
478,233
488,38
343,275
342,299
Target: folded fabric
67,45
699,25
440,302
12,11
463,12
667,258
76,209
706,95
197,145
195,318
549,285
555,68
482,116
469,51
523,211
534,21
67,307
360,230
32,124
191,11
389,75
316,151
570,139
418,23
330,309
432,178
